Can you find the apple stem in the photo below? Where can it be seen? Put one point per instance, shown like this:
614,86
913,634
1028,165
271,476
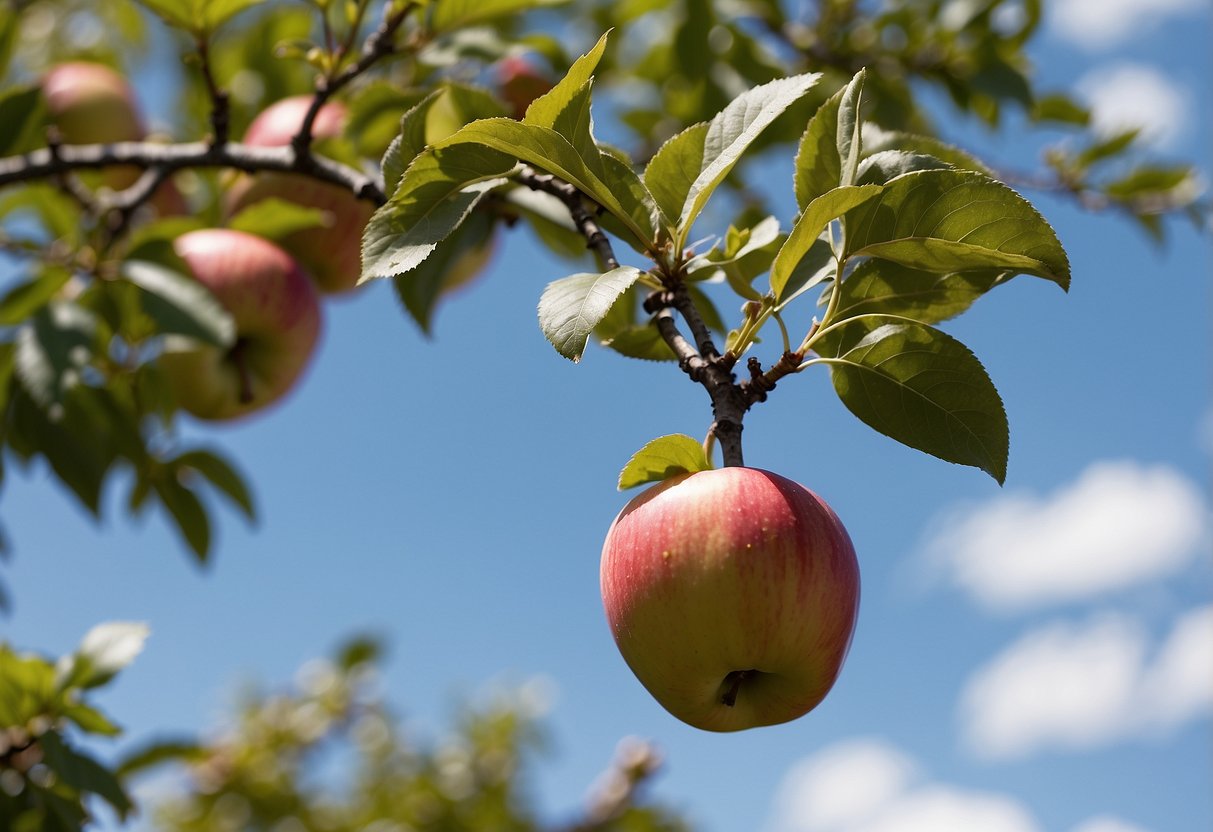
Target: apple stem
734,680
240,359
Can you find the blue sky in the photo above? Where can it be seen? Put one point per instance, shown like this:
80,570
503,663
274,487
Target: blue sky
1036,657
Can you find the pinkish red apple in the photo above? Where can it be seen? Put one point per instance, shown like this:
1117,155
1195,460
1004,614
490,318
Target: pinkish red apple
732,595
332,255
277,314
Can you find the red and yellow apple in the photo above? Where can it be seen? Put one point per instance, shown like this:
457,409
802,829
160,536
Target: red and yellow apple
520,83
277,314
732,595
332,255
90,103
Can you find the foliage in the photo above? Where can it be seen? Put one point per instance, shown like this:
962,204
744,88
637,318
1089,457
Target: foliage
894,232
45,778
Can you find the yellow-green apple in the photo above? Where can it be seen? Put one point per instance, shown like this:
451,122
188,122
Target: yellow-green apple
277,314
90,103
332,255
520,83
732,595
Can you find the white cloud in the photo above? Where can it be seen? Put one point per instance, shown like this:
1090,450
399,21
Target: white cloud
869,785
1118,524
1077,686
1127,95
1101,24
1106,823
846,783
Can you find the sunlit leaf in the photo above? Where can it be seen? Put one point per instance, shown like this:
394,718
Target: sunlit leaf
919,386
948,220
571,307
662,458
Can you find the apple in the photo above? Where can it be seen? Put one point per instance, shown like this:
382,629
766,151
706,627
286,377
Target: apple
90,103
277,315
732,595
520,83
332,255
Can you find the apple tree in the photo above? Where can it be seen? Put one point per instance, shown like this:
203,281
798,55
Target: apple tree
157,278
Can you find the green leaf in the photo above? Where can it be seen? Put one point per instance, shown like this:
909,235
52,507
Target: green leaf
20,108
458,14
219,473
178,13
877,140
547,109
624,195
920,386
888,288
947,220
436,193
187,512
849,124
157,752
275,218
672,171
819,163
662,458
642,341
881,168
732,130
455,260
812,222
217,12
74,447
24,299
83,773
409,141
571,307
52,350
179,304
90,720
1062,109
374,117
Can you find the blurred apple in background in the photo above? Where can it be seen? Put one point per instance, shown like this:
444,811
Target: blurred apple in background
332,254
732,595
520,83
277,315
90,103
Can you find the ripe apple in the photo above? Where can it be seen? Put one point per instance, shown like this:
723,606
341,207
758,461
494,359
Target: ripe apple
332,255
277,315
732,595
90,103
520,83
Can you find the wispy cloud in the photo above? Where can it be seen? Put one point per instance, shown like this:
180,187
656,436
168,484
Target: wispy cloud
869,785
1128,95
1103,24
1078,686
1118,524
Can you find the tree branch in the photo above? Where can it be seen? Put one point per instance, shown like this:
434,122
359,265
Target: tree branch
380,44
46,163
596,239
635,763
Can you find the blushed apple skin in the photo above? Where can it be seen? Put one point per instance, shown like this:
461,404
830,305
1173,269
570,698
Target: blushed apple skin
736,569
278,320
332,255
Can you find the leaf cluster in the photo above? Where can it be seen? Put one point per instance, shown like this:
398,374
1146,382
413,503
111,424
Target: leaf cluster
46,780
